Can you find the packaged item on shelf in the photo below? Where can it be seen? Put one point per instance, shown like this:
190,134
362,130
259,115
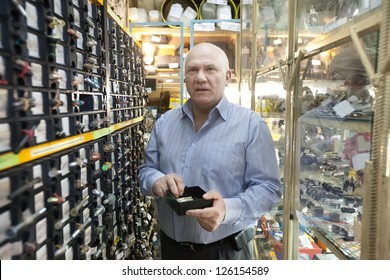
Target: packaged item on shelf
175,12
188,15
208,10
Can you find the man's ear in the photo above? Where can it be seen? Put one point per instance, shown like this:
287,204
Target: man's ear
228,77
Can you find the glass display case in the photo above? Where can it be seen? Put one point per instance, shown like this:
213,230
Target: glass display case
335,141
335,123
321,58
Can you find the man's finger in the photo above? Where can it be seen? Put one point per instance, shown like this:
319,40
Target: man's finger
179,184
172,186
200,213
212,195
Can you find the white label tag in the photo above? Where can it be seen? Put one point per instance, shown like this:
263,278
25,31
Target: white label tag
39,200
87,235
5,189
66,233
76,17
32,45
343,109
65,210
37,77
40,132
218,2
173,65
60,54
32,16
205,26
231,26
5,137
41,230
38,108
65,187
65,164
3,94
69,254
42,253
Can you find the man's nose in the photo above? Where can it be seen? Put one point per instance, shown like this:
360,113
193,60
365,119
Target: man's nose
201,77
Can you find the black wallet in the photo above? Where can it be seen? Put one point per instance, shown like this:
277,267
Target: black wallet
191,199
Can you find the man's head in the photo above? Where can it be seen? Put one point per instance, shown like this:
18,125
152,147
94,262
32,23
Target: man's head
206,75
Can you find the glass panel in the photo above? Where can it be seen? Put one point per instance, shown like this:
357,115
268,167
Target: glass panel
268,47
335,141
271,28
270,99
319,17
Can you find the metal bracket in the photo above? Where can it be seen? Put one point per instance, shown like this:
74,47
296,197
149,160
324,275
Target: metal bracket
295,70
287,84
282,74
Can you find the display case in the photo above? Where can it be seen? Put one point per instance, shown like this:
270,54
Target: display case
334,138
326,67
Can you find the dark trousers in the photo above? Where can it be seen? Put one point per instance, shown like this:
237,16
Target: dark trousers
172,250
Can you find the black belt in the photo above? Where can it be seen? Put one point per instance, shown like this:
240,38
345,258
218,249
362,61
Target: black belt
232,239
199,247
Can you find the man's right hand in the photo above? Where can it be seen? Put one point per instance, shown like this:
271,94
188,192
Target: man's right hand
172,182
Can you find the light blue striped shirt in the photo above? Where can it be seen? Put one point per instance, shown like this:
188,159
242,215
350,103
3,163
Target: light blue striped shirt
233,153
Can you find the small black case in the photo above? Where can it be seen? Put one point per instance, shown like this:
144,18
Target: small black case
242,238
181,205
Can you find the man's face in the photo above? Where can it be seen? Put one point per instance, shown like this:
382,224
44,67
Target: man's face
206,77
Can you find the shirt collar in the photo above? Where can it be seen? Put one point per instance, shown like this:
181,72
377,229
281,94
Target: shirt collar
222,107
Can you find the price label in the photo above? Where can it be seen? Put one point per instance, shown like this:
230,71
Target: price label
218,2
204,26
173,65
231,26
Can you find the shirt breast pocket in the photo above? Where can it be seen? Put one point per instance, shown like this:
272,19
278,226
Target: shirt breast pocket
223,159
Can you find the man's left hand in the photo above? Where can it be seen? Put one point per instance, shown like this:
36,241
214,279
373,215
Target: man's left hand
211,217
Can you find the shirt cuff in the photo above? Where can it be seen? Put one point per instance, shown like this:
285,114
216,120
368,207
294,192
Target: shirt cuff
233,208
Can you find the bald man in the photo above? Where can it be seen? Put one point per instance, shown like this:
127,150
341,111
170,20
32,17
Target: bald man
225,149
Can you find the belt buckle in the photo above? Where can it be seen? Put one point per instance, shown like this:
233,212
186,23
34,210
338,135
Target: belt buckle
188,245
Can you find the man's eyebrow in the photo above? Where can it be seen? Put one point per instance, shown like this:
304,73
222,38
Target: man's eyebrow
204,65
